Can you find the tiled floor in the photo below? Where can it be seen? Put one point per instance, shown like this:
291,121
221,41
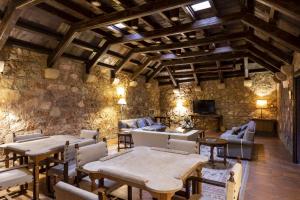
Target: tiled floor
272,174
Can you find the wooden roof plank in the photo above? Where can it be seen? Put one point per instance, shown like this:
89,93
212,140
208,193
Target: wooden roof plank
141,69
132,13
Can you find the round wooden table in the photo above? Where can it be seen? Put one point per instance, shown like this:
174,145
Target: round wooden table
213,142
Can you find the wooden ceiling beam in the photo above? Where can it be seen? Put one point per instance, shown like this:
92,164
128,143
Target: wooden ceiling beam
171,76
287,7
93,62
155,72
265,57
192,43
141,69
193,26
220,73
132,13
263,63
62,46
272,31
121,64
194,74
39,49
219,57
270,49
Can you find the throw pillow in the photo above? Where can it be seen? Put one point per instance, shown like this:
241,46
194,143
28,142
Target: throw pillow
236,130
149,121
132,124
244,127
141,123
241,134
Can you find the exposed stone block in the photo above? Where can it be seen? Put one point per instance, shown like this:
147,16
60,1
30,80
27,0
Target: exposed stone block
55,112
50,73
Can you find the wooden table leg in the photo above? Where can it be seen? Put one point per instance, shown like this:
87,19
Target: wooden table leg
212,155
165,196
36,173
225,154
119,143
129,192
6,159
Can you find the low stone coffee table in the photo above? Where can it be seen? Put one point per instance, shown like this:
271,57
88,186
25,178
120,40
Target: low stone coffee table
213,142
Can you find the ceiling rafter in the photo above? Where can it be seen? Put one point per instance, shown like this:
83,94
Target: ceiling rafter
171,76
147,62
275,33
12,13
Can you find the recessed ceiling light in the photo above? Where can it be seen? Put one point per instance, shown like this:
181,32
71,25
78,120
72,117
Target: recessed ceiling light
201,6
120,25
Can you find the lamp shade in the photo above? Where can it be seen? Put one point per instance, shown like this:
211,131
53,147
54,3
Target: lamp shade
122,101
261,103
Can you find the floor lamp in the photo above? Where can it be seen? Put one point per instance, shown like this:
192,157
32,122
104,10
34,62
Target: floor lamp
122,103
261,104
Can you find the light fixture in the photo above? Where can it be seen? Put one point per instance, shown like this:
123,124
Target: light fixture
96,3
261,104
176,90
192,35
178,52
133,83
174,15
120,25
201,6
120,91
115,81
2,66
122,101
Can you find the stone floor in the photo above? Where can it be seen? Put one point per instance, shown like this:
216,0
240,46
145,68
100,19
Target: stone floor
272,174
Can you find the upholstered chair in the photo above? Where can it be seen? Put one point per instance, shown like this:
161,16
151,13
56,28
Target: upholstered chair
89,154
230,190
184,145
15,176
64,168
89,134
64,191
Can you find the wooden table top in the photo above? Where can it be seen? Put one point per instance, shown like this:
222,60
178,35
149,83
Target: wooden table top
154,169
213,141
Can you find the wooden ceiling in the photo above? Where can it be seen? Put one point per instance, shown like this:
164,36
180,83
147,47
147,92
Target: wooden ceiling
163,39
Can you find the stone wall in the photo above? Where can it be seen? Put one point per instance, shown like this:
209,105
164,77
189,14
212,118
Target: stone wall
236,103
60,101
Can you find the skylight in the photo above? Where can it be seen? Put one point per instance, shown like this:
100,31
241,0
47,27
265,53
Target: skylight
120,25
201,6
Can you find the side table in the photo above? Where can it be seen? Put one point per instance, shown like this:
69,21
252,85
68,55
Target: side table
212,143
124,140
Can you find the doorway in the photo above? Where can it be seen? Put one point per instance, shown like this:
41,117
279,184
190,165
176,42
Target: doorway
296,139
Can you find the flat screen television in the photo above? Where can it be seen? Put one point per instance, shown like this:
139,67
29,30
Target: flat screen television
204,107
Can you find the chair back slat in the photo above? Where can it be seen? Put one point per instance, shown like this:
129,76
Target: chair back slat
234,182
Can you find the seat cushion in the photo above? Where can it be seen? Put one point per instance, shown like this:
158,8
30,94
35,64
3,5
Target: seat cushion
59,170
210,192
155,127
85,183
141,123
14,178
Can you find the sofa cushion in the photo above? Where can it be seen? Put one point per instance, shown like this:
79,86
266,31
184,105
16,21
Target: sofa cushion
141,123
155,127
149,121
131,123
236,130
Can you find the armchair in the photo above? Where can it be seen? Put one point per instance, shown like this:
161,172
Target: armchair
65,191
230,189
15,176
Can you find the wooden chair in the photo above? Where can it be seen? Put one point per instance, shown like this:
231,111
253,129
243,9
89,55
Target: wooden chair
15,176
90,134
64,191
231,187
184,145
88,154
65,167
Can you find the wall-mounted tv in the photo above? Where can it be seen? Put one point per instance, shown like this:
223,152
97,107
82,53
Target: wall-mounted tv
204,107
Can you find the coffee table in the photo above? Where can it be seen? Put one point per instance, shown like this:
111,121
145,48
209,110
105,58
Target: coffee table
213,142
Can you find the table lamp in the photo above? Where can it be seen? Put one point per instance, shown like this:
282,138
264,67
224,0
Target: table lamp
122,102
261,104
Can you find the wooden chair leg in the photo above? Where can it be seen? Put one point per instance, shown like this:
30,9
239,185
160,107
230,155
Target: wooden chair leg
48,184
141,194
129,192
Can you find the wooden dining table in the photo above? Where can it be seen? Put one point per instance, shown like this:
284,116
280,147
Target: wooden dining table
38,150
162,172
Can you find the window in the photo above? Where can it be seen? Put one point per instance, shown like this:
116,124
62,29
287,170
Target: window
201,6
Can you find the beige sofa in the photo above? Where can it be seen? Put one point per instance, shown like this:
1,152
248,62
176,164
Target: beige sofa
160,139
